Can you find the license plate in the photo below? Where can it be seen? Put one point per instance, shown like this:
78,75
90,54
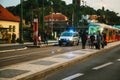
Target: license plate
64,43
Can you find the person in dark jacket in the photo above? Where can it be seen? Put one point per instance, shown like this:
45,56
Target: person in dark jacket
92,39
104,36
98,39
84,39
13,38
45,37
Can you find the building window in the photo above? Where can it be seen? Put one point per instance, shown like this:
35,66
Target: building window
1,26
10,28
13,28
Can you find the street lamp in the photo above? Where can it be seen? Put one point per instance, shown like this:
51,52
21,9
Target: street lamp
43,20
52,18
21,26
43,17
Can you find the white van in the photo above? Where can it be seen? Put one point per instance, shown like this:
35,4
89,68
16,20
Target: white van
69,38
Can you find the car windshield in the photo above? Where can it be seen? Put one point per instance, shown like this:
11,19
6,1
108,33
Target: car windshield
66,34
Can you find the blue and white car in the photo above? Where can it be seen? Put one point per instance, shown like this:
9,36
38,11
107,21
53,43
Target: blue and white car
69,38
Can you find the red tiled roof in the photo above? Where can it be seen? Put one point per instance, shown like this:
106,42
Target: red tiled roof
93,17
6,15
57,16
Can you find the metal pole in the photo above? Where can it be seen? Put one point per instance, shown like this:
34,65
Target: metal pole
52,19
43,18
21,26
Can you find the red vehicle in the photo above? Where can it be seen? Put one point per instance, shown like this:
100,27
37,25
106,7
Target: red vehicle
112,33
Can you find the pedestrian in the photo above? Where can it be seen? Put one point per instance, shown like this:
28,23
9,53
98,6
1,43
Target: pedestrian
102,39
45,37
39,39
13,38
89,42
92,39
84,38
104,35
98,40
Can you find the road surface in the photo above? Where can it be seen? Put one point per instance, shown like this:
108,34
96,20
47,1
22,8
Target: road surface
13,57
104,66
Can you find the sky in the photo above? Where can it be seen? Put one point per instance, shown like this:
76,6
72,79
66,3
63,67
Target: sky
112,5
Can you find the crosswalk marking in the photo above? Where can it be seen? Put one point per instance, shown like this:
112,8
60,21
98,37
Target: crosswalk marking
73,76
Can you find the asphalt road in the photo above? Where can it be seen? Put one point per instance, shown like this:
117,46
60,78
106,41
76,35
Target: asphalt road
104,66
14,57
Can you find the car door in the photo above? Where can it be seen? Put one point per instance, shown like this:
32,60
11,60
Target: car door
76,38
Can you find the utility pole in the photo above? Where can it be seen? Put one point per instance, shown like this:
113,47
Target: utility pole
52,19
42,18
77,3
21,25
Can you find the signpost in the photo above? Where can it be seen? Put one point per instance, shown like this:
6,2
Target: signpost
35,33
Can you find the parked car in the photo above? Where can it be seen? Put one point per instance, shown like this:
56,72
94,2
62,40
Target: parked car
69,38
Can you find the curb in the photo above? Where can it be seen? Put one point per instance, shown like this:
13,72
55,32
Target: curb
40,46
14,50
28,46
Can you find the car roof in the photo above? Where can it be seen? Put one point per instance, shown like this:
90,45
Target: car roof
70,32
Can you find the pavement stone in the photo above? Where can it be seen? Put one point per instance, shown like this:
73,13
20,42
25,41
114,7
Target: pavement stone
17,46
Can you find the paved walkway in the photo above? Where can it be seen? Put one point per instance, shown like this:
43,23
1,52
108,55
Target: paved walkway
17,46
41,67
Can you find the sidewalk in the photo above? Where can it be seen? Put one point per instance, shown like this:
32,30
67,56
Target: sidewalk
41,67
18,46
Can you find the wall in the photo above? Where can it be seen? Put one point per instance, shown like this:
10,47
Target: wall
7,24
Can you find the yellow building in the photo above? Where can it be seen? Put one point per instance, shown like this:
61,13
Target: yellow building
9,24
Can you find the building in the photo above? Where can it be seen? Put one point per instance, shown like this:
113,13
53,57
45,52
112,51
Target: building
77,2
55,17
93,18
9,24
57,22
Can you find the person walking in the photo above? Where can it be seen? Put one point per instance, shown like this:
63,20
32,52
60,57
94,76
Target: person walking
92,39
84,39
13,38
98,40
102,40
39,39
45,37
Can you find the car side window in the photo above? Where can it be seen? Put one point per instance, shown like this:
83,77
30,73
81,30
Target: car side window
75,35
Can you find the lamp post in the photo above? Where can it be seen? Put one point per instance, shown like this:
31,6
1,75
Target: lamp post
43,30
52,18
21,26
43,17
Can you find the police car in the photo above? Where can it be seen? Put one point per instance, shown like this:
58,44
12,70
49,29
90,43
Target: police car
69,38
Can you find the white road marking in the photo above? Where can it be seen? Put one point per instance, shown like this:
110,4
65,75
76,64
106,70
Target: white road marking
73,76
118,59
102,66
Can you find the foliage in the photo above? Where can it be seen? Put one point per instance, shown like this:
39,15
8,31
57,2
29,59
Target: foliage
59,6
33,8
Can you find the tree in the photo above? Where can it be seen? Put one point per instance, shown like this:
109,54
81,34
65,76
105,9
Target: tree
59,6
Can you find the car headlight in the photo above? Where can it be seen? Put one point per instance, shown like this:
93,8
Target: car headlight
71,39
59,39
